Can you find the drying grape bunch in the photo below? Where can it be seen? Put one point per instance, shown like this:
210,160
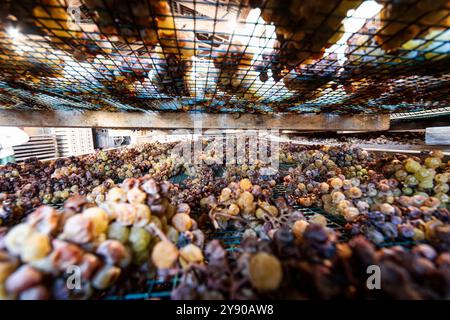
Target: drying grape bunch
315,266
26,186
234,62
200,183
417,18
136,228
304,29
248,207
316,166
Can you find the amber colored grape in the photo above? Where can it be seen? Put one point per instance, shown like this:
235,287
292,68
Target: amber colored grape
336,183
265,271
143,215
299,227
190,254
233,209
182,222
99,219
16,238
35,247
245,184
164,255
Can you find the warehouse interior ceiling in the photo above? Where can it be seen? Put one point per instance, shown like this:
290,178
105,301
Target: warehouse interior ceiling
226,56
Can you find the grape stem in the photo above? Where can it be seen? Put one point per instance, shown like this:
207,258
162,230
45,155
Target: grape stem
213,214
153,229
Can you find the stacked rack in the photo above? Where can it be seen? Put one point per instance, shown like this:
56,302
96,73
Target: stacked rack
342,56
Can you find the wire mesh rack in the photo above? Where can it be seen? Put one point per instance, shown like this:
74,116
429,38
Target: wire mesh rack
334,222
161,288
338,56
157,288
338,223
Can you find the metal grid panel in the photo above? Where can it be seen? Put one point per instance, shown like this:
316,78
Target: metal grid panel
225,55
338,223
158,288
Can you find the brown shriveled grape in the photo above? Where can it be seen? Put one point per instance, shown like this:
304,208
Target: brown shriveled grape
89,264
44,219
64,254
112,251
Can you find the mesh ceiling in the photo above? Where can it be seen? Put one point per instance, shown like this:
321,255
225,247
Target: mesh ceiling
337,56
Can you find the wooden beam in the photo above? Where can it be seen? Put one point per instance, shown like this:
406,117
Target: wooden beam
174,120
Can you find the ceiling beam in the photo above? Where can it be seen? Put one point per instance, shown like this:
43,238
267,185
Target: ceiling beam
174,120
418,123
